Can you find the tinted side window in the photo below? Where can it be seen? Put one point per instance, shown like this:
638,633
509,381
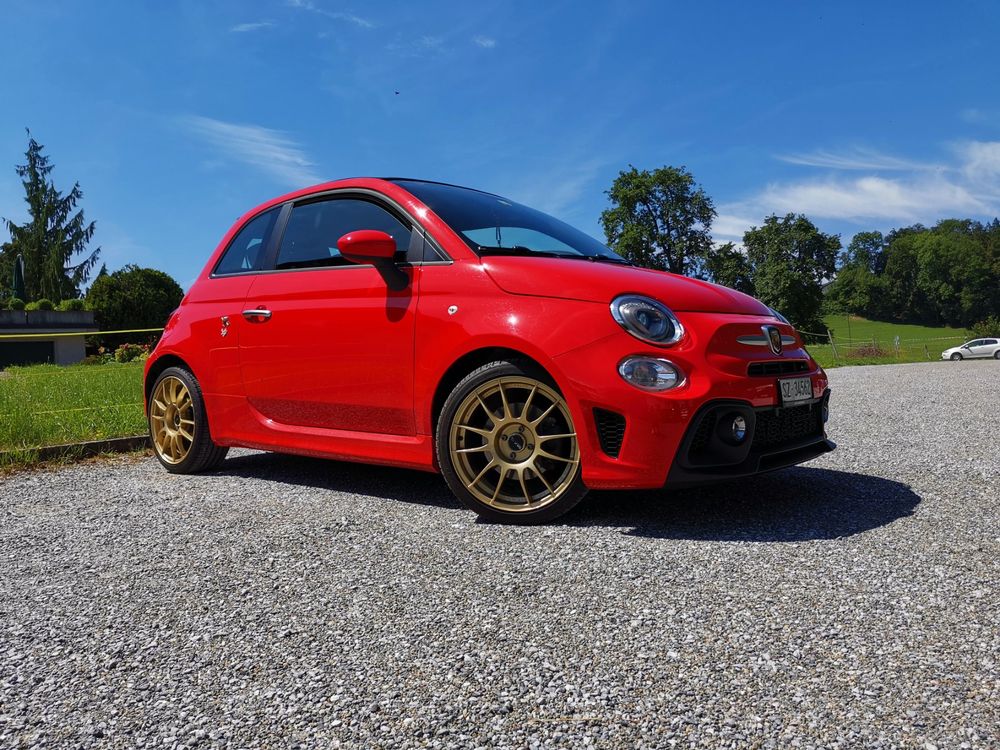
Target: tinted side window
310,238
246,251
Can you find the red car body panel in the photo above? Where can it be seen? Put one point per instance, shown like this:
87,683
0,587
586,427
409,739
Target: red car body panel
349,369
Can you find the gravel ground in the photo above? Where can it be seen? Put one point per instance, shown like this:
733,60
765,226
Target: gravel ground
283,602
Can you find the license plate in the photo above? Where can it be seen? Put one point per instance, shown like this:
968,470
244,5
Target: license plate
794,390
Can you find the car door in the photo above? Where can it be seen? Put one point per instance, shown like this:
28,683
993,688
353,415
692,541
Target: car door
329,344
991,347
214,306
977,349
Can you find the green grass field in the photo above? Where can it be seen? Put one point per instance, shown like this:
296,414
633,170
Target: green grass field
50,405
870,342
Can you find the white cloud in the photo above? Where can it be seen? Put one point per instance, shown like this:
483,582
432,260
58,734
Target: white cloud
857,159
485,42
873,198
925,192
336,15
730,227
980,161
241,28
270,151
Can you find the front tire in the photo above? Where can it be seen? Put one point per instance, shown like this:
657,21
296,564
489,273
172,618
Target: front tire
507,446
956,357
178,424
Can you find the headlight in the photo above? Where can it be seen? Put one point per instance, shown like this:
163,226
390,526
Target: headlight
779,316
650,373
646,319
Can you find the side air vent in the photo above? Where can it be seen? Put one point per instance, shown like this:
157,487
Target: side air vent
777,367
610,431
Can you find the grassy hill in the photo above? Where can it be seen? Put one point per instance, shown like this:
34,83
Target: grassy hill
866,342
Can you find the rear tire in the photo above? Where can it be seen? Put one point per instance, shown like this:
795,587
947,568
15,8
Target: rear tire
507,446
996,354
956,357
178,424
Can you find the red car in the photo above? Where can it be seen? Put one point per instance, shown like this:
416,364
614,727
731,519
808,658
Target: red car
435,327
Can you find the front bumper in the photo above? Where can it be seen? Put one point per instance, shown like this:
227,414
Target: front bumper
638,440
776,437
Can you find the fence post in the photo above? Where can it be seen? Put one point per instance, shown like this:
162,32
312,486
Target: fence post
927,352
829,335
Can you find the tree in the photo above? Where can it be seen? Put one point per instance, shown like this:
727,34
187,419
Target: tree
790,259
54,235
660,219
133,297
857,289
730,267
867,251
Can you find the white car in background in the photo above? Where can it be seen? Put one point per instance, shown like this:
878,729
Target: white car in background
975,349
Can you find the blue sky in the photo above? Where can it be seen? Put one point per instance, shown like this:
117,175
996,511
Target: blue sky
178,116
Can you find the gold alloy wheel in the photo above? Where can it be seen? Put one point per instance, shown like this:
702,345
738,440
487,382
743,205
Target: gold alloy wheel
171,419
513,445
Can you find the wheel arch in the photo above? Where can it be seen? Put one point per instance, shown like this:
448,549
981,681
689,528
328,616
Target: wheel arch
158,366
472,360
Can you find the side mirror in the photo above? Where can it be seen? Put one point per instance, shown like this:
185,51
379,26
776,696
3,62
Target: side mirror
367,246
372,247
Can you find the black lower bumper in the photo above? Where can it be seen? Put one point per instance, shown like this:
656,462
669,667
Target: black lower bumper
776,437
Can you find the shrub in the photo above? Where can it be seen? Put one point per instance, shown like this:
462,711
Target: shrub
867,351
72,305
129,352
987,327
97,359
133,297
15,304
42,304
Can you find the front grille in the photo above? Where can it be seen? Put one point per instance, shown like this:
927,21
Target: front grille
787,426
610,431
777,367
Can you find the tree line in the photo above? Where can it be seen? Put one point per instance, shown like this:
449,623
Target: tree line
945,275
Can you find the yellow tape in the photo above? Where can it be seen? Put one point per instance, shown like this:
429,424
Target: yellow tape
82,408
81,333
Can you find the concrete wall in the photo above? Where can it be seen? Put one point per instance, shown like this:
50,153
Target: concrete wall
36,326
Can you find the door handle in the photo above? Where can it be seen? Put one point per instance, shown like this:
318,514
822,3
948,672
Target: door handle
257,315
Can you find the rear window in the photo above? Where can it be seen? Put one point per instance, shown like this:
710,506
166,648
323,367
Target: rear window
246,251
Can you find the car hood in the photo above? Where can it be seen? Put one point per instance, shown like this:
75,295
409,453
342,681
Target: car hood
602,282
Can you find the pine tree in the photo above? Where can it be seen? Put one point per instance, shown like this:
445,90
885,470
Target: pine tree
55,234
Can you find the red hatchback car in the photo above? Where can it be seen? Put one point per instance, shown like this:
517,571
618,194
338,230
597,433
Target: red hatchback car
429,326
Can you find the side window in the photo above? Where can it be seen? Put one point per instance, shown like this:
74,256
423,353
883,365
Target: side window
246,251
310,237
991,342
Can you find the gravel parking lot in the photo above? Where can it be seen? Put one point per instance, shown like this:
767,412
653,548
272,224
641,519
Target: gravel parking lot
852,602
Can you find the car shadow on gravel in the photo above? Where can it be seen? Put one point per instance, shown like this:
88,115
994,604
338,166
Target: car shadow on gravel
792,505
342,476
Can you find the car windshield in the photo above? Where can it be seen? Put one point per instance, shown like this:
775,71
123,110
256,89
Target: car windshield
492,225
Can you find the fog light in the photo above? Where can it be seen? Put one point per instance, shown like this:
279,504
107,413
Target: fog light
739,429
650,373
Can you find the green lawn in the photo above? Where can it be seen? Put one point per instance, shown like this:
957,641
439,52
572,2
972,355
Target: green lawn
871,342
50,405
